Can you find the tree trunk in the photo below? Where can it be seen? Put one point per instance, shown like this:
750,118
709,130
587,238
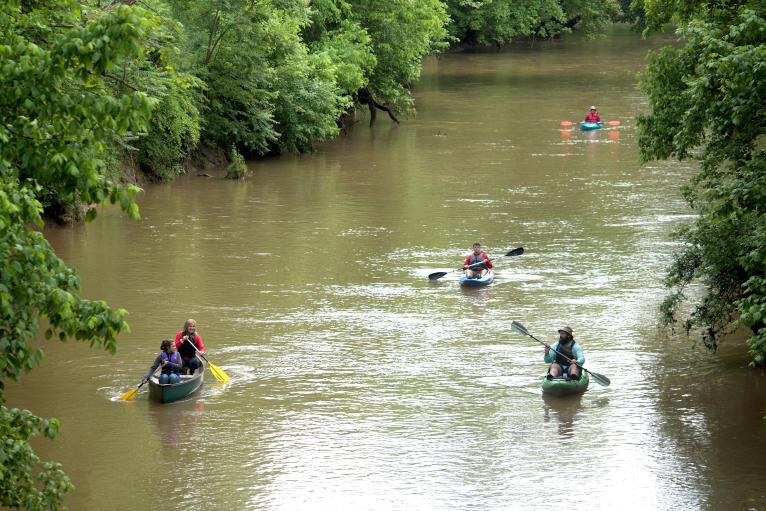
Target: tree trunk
373,113
365,98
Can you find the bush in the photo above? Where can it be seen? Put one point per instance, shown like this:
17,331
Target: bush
173,134
237,169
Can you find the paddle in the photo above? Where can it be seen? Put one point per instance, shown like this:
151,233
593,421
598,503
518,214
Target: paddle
218,373
609,123
598,378
131,394
440,274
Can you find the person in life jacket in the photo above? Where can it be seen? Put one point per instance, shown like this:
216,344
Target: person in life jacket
170,361
477,263
564,356
183,342
593,115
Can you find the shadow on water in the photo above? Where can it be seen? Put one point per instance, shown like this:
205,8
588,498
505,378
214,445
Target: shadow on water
713,416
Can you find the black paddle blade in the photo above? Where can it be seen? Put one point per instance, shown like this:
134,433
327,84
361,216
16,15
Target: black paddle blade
515,252
519,328
437,275
600,379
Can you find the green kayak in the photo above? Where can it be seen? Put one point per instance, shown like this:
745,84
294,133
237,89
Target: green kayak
565,386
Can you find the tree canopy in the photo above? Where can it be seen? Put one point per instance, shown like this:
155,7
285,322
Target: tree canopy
707,100
59,115
498,22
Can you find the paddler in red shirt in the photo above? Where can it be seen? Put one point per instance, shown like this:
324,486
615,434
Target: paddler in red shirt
183,342
593,115
477,263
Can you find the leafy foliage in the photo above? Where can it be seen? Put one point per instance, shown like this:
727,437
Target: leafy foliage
632,11
265,90
707,103
279,74
237,169
164,74
402,33
227,48
344,43
18,487
493,22
496,22
58,119
173,134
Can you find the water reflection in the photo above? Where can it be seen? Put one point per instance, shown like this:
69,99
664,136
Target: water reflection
176,422
564,410
591,136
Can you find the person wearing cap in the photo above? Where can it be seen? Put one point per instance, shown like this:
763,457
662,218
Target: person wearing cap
564,356
593,115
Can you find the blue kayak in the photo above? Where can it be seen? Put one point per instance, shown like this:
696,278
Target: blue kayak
588,126
483,281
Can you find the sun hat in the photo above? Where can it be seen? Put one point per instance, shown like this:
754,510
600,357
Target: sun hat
592,107
566,329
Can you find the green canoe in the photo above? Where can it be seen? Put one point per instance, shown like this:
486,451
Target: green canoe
170,392
565,386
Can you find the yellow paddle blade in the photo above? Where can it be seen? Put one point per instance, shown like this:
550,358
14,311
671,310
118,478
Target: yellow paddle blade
218,373
129,395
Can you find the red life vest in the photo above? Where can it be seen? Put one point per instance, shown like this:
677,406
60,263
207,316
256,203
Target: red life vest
592,117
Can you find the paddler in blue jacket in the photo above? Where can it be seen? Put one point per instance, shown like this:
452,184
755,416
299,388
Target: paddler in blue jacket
170,361
564,356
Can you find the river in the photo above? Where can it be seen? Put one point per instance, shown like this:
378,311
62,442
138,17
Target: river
357,383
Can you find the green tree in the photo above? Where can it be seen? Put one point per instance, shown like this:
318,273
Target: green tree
173,134
707,101
402,32
164,73
333,34
632,11
496,22
376,48
265,89
58,120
